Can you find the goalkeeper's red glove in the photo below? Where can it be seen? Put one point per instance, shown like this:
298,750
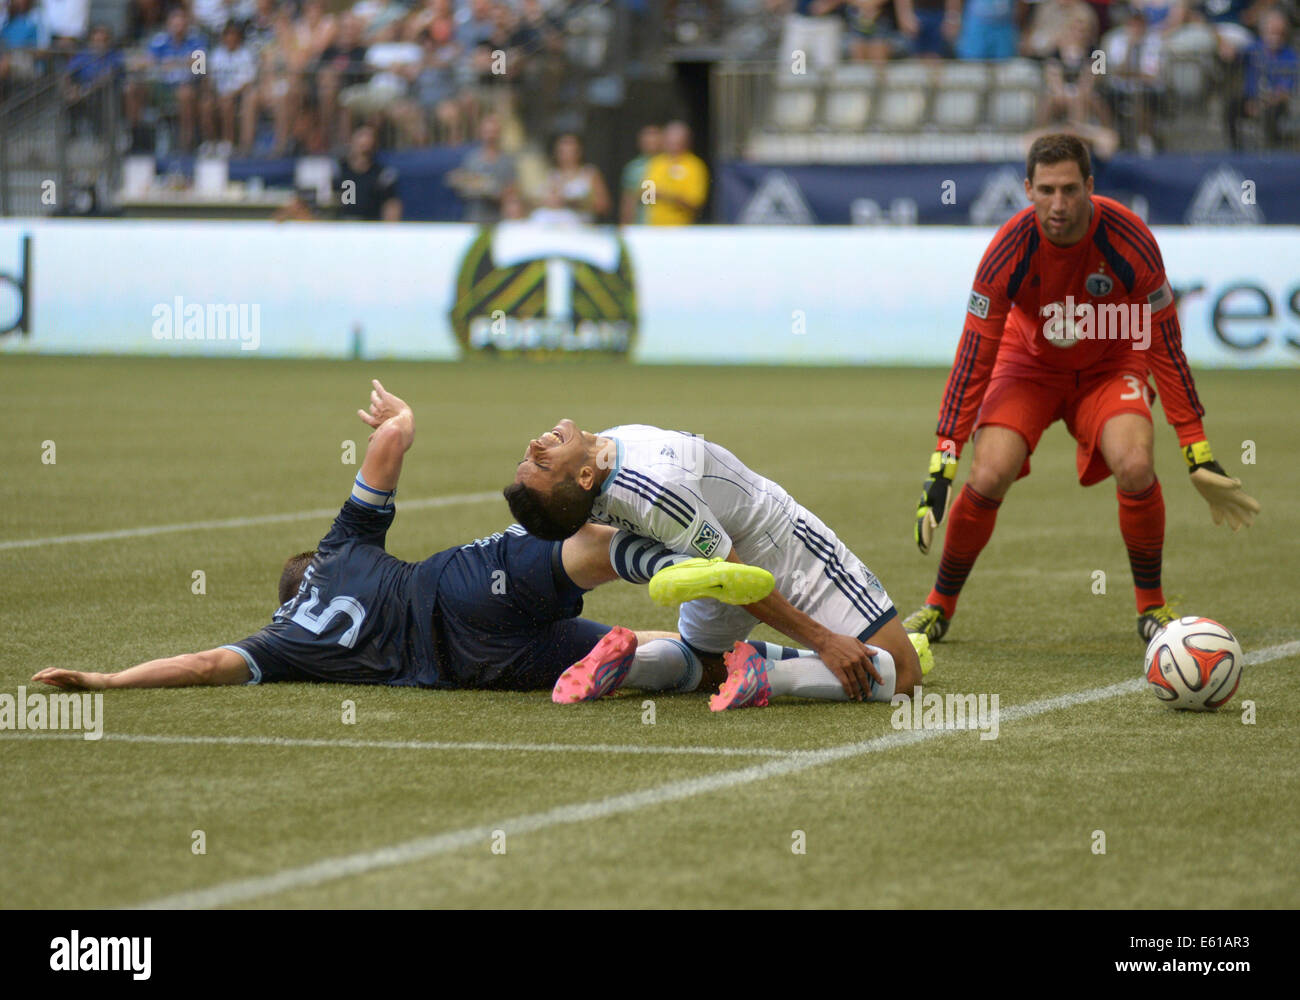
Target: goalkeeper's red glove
1222,492
934,498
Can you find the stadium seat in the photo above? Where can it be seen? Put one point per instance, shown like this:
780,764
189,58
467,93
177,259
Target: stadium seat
794,102
902,110
963,76
786,80
1017,86
959,95
855,74
904,95
848,110
956,109
1012,109
908,74
1024,74
794,110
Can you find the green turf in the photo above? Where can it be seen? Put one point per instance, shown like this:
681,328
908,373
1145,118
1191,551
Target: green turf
1198,810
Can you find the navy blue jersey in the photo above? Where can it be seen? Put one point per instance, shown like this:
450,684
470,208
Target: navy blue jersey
361,616
498,612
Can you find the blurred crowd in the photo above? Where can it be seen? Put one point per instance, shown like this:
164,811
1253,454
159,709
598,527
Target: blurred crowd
303,77
1246,45
665,184
286,77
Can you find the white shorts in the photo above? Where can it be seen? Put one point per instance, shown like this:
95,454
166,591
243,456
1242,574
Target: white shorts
814,571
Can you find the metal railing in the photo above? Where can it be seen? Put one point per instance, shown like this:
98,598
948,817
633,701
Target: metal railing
59,145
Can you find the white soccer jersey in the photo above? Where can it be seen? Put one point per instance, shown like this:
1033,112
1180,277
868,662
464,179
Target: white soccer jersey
698,498
689,493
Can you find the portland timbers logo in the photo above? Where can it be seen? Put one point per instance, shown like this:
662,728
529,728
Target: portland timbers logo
545,292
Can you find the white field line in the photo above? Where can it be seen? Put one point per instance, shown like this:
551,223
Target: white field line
348,744
1272,653
234,522
331,869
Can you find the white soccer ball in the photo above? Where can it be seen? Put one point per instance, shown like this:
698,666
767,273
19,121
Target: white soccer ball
1193,663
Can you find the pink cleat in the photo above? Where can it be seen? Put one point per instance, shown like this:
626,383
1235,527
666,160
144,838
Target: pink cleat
598,673
746,685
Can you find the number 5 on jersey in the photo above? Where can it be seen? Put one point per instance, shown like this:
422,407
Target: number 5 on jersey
318,623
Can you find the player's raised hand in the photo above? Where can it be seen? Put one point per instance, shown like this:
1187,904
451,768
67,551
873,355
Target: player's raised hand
1227,500
850,661
383,406
934,498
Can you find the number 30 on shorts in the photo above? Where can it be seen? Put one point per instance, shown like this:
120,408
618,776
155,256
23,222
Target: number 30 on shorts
1137,389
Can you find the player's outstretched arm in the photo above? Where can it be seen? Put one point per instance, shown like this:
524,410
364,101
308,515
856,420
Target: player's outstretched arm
211,667
394,426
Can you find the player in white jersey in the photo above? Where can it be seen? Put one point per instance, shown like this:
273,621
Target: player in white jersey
697,498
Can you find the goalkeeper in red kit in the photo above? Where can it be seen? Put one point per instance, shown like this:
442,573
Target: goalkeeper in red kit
1069,315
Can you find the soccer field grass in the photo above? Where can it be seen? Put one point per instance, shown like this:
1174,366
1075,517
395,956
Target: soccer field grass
595,807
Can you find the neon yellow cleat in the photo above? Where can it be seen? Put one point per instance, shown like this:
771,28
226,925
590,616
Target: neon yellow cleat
1153,619
928,621
923,650
728,582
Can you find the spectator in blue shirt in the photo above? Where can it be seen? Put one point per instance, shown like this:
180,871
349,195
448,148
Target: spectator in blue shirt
173,49
988,30
88,70
178,74
474,24
23,28
20,39
98,61
1224,18
1271,75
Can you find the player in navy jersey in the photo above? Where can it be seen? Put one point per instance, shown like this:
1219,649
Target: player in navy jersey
500,612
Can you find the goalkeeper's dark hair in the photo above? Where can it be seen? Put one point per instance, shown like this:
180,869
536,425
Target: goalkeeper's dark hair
1057,148
291,575
552,518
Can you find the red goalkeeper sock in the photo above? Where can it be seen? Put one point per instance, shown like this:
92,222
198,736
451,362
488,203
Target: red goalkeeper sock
970,525
1142,523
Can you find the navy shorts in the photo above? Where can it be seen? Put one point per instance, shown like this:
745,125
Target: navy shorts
506,614
929,40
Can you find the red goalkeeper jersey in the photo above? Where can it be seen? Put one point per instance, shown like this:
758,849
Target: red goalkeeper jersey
1040,311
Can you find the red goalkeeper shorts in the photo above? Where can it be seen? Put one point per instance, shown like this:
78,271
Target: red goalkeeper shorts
1031,400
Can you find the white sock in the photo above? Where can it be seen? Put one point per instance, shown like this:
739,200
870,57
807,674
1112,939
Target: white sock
805,676
665,665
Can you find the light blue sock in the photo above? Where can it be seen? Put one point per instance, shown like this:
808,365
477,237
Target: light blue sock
665,665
